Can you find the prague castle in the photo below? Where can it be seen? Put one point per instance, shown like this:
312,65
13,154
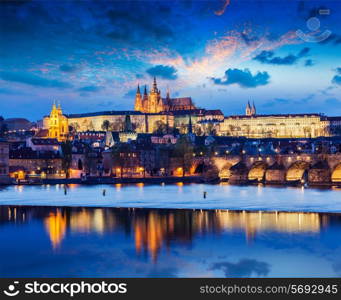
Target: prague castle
154,103
278,125
154,114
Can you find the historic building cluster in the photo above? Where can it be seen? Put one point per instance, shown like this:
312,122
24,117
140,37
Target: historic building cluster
153,113
165,136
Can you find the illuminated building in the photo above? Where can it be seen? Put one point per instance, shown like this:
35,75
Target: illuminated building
277,125
4,162
57,124
154,103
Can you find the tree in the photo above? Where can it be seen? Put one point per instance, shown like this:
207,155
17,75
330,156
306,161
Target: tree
67,157
80,164
183,150
106,125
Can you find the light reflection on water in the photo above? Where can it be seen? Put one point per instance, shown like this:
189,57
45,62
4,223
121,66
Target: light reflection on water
60,241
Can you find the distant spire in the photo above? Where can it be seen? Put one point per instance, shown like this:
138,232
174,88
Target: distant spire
54,104
248,111
145,90
190,129
168,93
155,85
138,89
253,108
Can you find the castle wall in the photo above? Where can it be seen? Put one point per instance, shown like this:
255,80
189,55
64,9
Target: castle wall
286,126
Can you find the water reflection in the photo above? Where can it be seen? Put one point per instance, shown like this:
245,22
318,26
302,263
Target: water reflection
153,229
60,241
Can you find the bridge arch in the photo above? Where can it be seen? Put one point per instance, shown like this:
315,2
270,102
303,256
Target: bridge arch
336,174
225,172
297,171
257,171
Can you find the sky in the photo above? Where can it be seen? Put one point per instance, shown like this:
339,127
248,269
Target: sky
90,55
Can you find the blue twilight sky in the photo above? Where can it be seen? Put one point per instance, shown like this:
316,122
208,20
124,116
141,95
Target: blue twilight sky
90,55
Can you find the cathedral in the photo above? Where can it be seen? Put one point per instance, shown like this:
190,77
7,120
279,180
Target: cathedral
154,103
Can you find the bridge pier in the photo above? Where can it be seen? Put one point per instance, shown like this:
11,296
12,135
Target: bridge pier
319,173
275,174
239,173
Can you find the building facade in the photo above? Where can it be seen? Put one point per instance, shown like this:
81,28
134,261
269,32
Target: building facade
4,162
57,124
276,126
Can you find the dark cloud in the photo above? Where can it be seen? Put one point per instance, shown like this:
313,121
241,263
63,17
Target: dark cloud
68,68
309,63
243,268
90,88
127,25
267,57
243,78
34,80
337,78
165,72
333,39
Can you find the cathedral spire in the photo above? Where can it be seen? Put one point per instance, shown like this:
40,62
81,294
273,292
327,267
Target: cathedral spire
190,129
138,89
168,93
253,109
155,90
145,90
248,110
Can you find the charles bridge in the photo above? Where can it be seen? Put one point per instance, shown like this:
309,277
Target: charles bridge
277,168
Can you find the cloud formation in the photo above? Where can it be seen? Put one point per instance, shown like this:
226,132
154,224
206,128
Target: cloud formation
90,88
337,78
267,57
165,72
34,80
243,268
244,78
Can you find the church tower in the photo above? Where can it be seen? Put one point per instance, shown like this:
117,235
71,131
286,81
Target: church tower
253,109
145,101
248,109
138,100
58,124
154,96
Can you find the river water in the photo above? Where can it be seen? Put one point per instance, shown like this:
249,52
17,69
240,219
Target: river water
236,231
220,196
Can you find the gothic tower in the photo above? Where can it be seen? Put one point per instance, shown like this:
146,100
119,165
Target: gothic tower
154,98
248,109
138,100
253,109
145,102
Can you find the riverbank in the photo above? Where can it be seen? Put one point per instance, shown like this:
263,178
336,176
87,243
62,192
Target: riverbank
172,180
115,180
